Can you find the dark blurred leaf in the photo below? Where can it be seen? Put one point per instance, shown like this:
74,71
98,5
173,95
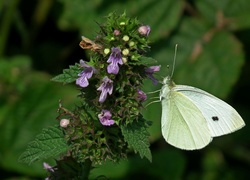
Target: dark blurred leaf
147,60
152,111
80,14
166,164
28,103
49,143
210,61
228,12
162,16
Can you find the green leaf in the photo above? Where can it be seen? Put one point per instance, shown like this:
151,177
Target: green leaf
160,168
228,12
49,143
28,103
136,136
146,60
68,76
211,62
162,15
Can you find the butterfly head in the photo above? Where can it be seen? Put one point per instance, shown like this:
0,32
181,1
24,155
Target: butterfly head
168,81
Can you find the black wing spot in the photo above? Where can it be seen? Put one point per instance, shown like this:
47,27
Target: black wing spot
215,118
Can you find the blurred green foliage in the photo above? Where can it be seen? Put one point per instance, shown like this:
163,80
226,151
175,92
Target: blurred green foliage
38,39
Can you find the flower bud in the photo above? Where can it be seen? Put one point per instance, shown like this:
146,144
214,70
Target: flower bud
125,52
131,43
124,60
125,38
106,51
117,32
64,123
122,23
133,57
141,96
144,30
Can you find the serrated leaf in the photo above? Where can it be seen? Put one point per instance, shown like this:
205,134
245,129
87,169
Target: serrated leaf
147,60
49,143
68,76
34,100
136,136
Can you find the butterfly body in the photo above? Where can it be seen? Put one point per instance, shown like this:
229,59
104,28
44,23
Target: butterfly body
191,117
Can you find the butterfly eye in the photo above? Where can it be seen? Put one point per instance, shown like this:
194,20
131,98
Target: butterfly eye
215,118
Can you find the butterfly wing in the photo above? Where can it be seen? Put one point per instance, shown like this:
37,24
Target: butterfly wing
221,117
183,124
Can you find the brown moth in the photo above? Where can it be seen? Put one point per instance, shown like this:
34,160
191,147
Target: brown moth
88,44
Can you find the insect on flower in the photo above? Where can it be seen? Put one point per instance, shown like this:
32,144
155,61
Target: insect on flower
88,44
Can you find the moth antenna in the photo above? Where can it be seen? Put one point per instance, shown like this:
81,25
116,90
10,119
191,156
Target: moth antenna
175,52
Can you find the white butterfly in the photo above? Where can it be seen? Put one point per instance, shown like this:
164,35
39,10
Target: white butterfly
191,117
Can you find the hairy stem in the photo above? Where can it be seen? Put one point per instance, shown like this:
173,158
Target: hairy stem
86,169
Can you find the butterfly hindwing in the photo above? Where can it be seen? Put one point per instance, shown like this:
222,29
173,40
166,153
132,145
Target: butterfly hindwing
220,116
183,124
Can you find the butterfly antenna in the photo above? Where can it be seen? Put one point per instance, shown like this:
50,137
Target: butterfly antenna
175,52
152,92
152,102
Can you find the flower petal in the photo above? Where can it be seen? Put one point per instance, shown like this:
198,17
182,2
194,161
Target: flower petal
113,68
141,96
82,81
106,87
105,118
115,58
108,122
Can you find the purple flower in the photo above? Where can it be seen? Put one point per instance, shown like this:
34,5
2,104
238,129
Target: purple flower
85,74
106,87
105,118
141,96
115,58
48,167
117,32
144,30
150,71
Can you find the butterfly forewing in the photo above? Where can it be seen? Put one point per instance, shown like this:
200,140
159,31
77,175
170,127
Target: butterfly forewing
220,116
183,124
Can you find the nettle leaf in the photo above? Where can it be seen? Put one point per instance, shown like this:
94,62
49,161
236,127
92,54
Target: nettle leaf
136,135
49,143
34,100
68,75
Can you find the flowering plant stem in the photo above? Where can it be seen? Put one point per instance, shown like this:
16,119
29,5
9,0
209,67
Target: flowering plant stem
86,169
107,122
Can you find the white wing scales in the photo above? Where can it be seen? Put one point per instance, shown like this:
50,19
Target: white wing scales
183,124
221,117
